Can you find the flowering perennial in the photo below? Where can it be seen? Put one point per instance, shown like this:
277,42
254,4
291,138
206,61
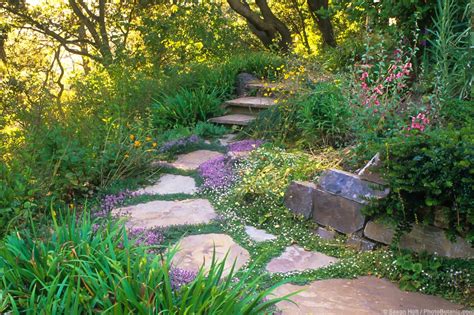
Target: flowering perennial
420,122
180,277
245,145
217,173
179,144
109,202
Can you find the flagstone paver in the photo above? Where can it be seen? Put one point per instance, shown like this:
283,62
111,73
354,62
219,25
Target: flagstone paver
192,161
258,235
296,258
196,250
162,213
364,296
171,184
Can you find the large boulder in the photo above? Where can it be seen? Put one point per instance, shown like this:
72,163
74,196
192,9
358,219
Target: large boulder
299,198
421,238
342,214
351,186
339,198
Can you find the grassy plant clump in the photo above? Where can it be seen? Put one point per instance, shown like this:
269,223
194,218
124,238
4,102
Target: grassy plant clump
84,266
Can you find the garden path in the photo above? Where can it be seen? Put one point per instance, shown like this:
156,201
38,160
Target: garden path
364,295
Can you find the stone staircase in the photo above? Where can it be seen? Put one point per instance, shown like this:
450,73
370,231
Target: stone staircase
243,110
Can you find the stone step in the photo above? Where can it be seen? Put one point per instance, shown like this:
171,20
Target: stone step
252,102
233,119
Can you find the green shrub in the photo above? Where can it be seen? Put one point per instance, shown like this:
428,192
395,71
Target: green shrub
428,172
323,116
208,130
82,267
277,124
457,113
187,107
17,192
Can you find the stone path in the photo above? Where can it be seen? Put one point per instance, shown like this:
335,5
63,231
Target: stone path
192,161
365,295
257,235
162,213
196,250
171,184
295,258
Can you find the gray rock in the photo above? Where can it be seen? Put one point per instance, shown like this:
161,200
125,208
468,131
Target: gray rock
350,186
379,232
243,79
258,235
325,233
296,258
422,238
340,213
299,198
360,244
371,171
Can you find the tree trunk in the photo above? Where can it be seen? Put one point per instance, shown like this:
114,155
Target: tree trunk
323,21
267,27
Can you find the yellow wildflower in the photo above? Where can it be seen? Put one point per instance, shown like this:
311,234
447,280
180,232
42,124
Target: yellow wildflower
148,138
136,144
132,137
155,144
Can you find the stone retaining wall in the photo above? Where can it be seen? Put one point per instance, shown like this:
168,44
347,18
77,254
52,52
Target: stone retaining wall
335,203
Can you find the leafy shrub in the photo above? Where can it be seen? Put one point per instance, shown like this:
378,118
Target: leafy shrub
17,192
428,172
208,130
186,108
433,275
277,124
458,113
84,268
323,116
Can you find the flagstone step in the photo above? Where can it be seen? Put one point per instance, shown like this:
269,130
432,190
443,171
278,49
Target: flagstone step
233,119
261,85
171,184
364,295
252,102
163,213
296,258
198,250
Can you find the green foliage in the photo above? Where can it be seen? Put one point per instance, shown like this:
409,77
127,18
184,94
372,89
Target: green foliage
428,172
266,174
83,267
433,275
314,117
450,51
277,124
456,112
186,108
323,116
17,192
208,130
